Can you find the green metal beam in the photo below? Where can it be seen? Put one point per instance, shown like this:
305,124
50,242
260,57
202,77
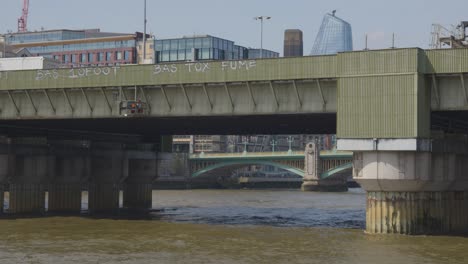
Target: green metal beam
247,162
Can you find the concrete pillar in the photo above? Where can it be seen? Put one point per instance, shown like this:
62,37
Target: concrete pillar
142,170
417,212
313,170
415,192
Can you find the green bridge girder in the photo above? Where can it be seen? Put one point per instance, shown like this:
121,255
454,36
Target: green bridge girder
269,160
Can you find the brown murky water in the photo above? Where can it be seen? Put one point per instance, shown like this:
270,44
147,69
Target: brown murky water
242,226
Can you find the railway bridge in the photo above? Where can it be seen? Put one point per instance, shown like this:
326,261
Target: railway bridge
402,112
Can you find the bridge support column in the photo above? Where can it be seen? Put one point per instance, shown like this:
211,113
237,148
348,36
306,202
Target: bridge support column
28,167
103,198
27,198
415,192
71,169
106,172
138,196
2,199
142,170
64,198
312,173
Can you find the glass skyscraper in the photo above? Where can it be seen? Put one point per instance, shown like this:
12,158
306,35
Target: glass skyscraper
335,35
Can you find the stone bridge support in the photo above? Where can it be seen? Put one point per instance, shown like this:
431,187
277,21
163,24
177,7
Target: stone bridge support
415,192
313,170
141,170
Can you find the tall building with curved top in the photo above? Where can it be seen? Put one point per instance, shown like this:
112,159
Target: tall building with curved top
335,35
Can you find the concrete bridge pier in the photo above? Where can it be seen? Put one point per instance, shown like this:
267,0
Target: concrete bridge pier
416,192
141,169
107,167
313,170
71,169
29,166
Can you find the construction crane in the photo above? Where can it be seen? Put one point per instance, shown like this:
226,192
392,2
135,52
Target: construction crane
23,20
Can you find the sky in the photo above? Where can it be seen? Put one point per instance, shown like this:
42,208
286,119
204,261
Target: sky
410,20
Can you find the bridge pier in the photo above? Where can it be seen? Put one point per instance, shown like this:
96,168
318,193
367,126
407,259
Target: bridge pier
28,166
106,171
312,174
142,170
336,185
71,168
416,192
2,199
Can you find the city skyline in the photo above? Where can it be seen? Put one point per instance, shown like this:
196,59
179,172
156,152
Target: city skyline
378,19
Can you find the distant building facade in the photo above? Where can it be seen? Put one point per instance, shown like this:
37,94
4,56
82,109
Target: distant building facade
293,43
335,35
79,48
262,53
204,47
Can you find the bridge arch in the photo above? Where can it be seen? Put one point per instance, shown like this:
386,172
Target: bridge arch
246,163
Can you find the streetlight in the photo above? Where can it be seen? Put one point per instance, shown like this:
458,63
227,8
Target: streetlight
144,33
290,141
261,18
274,143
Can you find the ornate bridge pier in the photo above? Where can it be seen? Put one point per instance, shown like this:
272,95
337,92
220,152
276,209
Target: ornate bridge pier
313,174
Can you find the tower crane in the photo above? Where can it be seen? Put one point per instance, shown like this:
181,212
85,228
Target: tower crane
23,20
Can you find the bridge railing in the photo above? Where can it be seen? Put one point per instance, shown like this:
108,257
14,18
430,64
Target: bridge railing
247,154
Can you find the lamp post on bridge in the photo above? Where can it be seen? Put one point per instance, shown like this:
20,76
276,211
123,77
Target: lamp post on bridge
261,18
290,141
274,143
245,147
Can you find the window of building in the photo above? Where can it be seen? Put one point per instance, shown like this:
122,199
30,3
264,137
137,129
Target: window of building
118,55
173,55
83,57
206,43
182,44
90,57
127,55
100,56
181,55
108,56
174,44
73,58
65,58
165,55
198,43
166,45
189,43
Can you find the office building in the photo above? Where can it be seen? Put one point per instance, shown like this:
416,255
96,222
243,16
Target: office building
79,48
204,47
335,35
293,43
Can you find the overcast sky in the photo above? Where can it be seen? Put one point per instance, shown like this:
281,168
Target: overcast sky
411,20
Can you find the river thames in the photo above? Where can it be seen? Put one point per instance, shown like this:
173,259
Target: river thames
225,226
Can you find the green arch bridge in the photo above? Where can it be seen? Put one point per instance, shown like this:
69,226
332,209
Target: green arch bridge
331,162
